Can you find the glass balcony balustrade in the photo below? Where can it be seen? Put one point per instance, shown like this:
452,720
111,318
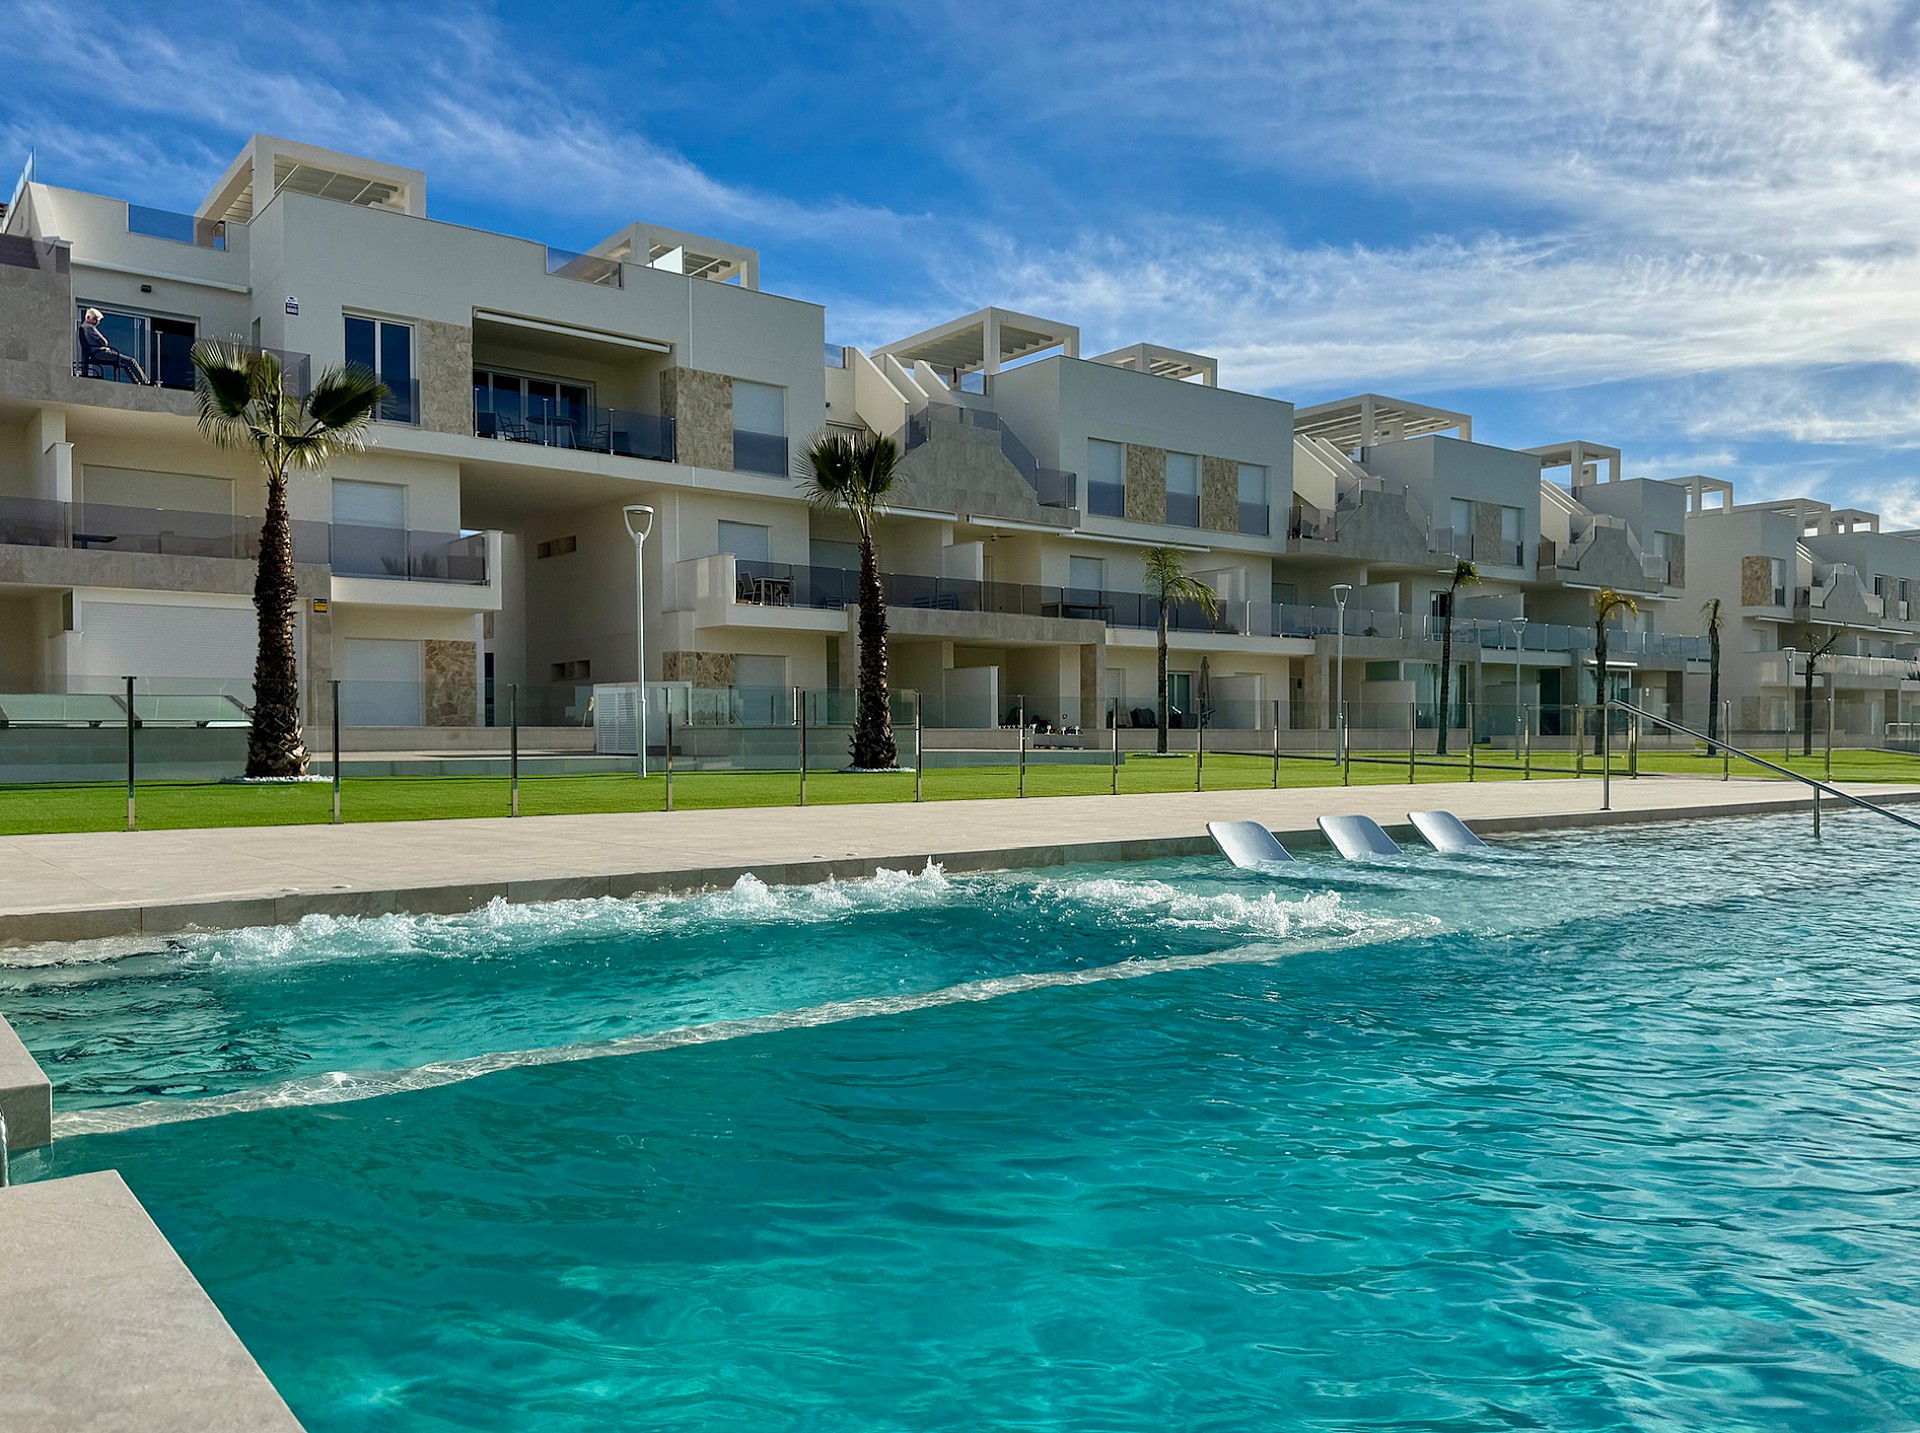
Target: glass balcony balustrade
349,550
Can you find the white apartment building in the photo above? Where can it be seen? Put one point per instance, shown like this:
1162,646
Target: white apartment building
537,392
1790,576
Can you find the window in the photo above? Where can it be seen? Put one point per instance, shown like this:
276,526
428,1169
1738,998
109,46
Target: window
1253,499
1777,572
162,347
1510,539
1460,519
759,428
1286,593
532,410
386,348
1183,490
1106,478
1086,575
369,529
557,547
747,541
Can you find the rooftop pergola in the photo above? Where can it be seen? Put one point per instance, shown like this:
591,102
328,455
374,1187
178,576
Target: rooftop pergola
1369,418
1582,457
678,252
1164,362
298,168
985,342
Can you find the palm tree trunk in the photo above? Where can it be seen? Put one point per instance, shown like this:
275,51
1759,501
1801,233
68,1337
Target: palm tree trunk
275,744
1806,714
1713,692
1600,685
873,746
1446,678
1161,742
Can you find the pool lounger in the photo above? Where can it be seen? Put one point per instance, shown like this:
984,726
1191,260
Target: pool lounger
1357,837
1247,844
1444,831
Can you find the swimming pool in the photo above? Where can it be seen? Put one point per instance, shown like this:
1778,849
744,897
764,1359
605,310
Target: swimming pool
1610,1131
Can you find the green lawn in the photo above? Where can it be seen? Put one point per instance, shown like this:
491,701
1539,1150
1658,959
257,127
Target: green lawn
169,805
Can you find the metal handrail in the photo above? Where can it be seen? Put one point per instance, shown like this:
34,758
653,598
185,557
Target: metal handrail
1818,786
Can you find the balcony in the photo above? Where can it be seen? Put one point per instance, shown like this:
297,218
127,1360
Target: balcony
779,584
618,431
457,558
406,555
584,268
178,228
761,453
161,350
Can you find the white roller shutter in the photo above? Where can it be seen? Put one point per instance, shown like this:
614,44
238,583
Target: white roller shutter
167,641
382,682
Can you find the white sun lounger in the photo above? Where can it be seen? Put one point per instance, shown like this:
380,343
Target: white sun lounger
1444,831
1357,837
1247,844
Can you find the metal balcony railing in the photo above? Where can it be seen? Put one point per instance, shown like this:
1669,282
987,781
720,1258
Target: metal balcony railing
781,584
619,431
350,551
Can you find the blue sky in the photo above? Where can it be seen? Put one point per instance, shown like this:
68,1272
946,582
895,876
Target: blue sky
1685,227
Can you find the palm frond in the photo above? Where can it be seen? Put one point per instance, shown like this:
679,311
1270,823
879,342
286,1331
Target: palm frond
1166,576
850,471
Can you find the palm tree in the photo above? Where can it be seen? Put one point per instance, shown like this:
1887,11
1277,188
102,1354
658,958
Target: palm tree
854,472
243,403
1606,602
1465,574
1168,582
1815,650
1710,610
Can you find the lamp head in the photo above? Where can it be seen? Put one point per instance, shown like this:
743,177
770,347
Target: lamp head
1340,591
639,520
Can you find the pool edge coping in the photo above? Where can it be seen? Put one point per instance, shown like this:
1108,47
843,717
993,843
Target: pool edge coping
105,921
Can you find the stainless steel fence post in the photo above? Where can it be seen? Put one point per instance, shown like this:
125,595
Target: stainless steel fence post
1116,745
1276,746
800,717
669,753
1726,756
1829,736
919,748
1526,741
335,684
1413,737
1816,813
1346,755
1579,740
131,823
513,749
1473,756
1633,747
1606,759
1021,713
1199,751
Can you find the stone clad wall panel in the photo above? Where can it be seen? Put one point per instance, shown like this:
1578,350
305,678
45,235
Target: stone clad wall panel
1146,479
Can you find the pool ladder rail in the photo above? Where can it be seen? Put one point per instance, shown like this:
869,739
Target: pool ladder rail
1819,787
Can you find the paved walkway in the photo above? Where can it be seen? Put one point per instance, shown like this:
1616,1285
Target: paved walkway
121,883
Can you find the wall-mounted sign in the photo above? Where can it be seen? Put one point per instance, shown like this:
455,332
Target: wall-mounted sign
320,604
293,306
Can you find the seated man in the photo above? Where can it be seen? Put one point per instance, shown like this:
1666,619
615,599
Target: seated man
98,358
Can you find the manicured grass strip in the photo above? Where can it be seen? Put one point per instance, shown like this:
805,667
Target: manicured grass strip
175,805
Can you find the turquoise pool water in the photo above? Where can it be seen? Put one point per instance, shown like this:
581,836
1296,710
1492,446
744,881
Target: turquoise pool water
1616,1131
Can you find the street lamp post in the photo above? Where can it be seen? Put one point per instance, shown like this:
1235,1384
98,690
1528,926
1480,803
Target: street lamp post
1787,745
639,523
1519,712
1340,591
